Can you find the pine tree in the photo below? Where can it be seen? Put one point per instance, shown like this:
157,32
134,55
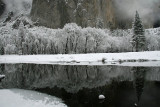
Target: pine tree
99,23
2,50
138,39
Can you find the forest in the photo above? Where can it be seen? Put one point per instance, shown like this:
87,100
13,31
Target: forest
72,39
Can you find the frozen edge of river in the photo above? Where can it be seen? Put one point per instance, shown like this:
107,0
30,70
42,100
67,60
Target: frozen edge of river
147,58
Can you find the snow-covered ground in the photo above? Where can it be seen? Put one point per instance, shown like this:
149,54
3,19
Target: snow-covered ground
24,98
150,58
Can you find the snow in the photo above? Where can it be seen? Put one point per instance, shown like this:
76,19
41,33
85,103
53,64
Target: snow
2,76
24,98
84,40
101,97
148,58
135,104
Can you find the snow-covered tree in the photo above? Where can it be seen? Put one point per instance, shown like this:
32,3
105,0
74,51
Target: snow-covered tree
152,42
10,49
74,39
138,39
21,37
72,33
87,36
99,23
1,47
158,31
1,50
36,44
99,37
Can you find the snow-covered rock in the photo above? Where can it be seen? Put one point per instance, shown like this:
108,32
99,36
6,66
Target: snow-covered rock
101,97
2,76
135,105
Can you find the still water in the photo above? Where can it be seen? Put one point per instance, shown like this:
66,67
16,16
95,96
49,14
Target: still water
80,86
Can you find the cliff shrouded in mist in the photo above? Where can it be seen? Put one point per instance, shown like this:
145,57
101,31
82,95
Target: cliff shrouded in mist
56,13
93,13
149,11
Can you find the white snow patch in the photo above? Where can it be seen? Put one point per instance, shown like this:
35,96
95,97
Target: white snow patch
24,98
2,76
101,97
148,58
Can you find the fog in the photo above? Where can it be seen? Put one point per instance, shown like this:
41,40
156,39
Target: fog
18,6
149,10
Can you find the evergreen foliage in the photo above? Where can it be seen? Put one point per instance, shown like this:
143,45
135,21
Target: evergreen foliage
99,23
138,39
2,50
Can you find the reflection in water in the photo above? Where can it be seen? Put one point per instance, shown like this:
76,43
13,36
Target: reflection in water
80,86
71,78
139,79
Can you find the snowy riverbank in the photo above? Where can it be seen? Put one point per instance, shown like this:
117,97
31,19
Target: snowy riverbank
150,58
26,98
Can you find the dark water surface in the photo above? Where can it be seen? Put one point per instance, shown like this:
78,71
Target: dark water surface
80,86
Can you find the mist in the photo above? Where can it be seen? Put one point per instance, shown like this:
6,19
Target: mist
18,6
149,10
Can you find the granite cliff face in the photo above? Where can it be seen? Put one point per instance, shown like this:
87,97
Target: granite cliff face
93,13
56,13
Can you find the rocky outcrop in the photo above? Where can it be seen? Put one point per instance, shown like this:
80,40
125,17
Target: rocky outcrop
56,13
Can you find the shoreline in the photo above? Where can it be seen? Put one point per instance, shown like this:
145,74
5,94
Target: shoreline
147,58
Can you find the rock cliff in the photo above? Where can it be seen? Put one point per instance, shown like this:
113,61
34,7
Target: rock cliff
56,13
93,13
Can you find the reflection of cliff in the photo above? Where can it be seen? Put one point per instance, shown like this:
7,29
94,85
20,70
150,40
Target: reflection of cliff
56,13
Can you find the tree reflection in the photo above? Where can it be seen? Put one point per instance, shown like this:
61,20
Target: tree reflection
139,80
2,68
71,78
81,84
